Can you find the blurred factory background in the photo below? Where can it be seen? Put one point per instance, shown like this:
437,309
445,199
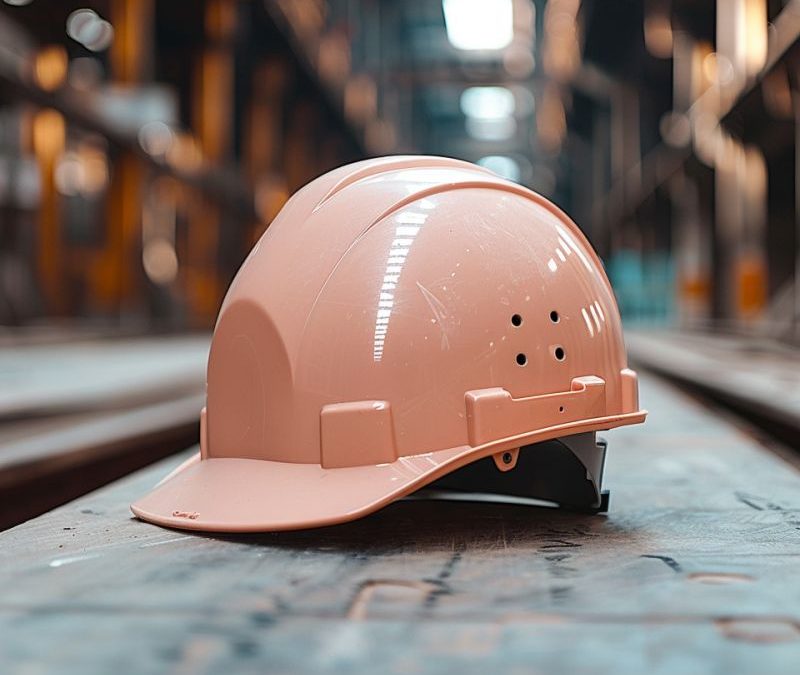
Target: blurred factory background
145,145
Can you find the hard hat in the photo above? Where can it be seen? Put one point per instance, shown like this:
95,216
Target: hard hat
404,321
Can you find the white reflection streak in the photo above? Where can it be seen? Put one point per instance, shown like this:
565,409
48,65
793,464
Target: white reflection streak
595,317
588,321
409,226
570,240
600,311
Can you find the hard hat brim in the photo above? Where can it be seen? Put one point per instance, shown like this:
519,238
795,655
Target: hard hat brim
253,495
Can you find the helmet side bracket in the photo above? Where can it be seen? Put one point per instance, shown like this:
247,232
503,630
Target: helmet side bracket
493,413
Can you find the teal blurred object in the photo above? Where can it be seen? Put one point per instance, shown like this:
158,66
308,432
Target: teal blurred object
644,285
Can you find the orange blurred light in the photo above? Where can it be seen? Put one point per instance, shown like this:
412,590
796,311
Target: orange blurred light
333,57
658,35
50,67
49,133
160,261
184,153
551,121
719,68
756,35
360,99
751,285
561,53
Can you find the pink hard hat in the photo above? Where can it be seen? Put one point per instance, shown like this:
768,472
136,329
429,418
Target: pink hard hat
404,321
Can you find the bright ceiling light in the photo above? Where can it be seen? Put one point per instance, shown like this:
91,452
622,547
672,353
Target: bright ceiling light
503,166
499,129
487,103
479,24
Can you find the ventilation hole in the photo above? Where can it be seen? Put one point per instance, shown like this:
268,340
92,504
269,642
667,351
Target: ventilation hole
559,353
561,408
522,359
554,316
516,320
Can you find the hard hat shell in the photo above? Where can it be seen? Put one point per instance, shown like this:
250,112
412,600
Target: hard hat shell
400,318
